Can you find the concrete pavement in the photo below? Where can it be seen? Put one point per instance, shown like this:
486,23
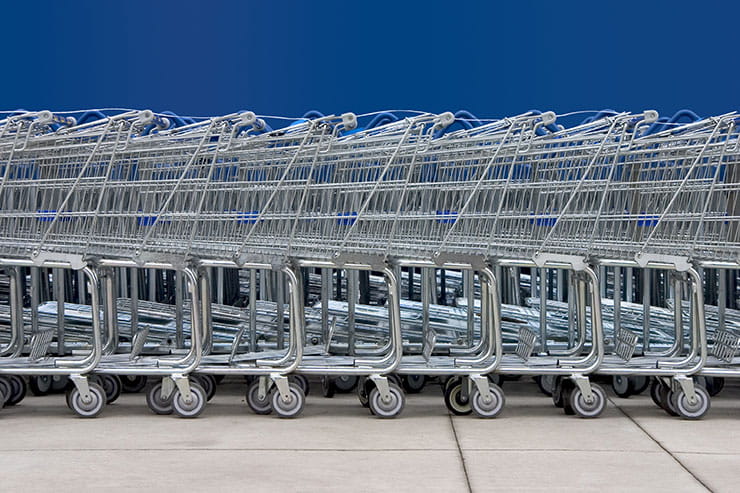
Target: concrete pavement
337,446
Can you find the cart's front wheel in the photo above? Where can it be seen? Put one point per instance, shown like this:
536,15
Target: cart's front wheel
584,408
157,403
488,407
391,406
413,384
328,387
190,408
692,410
293,405
40,385
90,407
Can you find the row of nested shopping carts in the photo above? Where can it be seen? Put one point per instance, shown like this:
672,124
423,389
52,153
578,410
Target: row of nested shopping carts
95,205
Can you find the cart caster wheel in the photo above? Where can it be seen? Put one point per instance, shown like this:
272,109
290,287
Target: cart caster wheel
713,385
362,394
40,385
208,383
328,387
623,386
688,410
557,392
641,383
191,409
291,408
6,390
60,383
496,379
18,389
112,386
655,386
302,382
455,401
666,400
156,402
489,409
390,408
133,384
257,405
89,409
546,384
591,409
345,383
413,384
449,383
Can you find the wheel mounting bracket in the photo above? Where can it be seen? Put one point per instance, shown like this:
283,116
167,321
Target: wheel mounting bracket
281,382
83,387
183,385
584,385
383,387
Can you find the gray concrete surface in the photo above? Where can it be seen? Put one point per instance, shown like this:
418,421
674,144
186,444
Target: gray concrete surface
337,446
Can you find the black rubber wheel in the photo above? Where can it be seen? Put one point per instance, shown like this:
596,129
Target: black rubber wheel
133,384
257,405
328,388
413,384
362,393
655,386
666,397
456,402
641,383
557,392
18,390
6,389
156,402
207,383
346,383
302,382
623,386
40,385
60,383
112,386
546,384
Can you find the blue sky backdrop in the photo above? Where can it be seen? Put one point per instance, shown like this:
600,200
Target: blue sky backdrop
286,57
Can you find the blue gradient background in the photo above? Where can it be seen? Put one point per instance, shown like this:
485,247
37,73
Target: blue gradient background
286,57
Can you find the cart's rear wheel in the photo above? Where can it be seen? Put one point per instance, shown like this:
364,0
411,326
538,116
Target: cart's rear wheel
208,383
6,390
